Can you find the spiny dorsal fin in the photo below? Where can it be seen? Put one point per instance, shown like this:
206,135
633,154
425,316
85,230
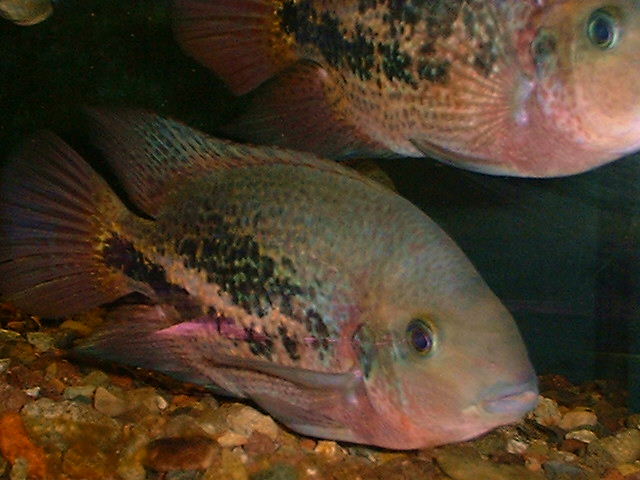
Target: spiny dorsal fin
151,154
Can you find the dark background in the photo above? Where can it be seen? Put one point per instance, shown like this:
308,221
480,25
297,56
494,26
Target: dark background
563,254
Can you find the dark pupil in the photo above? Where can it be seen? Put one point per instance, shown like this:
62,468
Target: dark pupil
602,29
420,336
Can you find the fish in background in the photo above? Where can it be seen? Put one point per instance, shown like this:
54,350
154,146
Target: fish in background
533,88
261,273
26,12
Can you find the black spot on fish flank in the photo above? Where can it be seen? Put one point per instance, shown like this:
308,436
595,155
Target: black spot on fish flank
289,343
434,70
259,344
396,64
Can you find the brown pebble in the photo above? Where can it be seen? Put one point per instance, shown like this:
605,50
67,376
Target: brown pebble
613,475
259,444
572,445
12,399
307,444
121,381
181,453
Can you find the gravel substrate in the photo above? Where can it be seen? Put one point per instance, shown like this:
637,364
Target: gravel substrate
61,418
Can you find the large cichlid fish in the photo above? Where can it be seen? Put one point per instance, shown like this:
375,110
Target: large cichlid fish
327,299
516,87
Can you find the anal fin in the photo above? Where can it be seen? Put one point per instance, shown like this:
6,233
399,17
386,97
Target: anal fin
301,108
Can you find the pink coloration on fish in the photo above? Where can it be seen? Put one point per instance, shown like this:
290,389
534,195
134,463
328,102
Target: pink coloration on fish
514,87
327,299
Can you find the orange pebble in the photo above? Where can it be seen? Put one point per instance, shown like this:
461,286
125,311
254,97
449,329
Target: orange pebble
15,443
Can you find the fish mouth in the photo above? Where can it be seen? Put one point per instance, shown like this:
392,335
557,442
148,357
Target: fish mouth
509,399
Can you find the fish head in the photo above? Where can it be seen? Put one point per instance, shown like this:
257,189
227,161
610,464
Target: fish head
443,360
587,59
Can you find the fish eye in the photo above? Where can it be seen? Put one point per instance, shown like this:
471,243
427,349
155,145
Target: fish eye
603,29
420,336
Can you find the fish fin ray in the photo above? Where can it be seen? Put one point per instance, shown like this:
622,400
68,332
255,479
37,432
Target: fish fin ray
239,40
53,210
300,109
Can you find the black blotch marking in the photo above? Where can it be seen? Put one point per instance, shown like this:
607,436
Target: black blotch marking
259,344
434,70
325,31
289,343
396,64
120,254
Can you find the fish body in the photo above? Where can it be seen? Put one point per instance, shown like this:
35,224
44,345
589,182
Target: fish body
262,273
26,12
521,87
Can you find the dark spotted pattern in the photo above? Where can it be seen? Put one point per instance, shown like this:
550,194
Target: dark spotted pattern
120,254
354,45
325,32
257,283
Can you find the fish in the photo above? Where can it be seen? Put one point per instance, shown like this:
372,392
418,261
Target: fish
330,301
26,12
529,88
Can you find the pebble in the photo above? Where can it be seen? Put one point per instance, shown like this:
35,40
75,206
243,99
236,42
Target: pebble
585,436
633,421
96,378
4,364
577,418
329,448
106,402
176,453
463,463
80,391
132,456
229,468
565,471
19,470
33,392
546,412
147,398
42,341
279,471
59,425
232,439
624,447
245,420
8,335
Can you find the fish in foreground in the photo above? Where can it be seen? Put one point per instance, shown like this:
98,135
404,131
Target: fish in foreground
26,12
533,88
329,300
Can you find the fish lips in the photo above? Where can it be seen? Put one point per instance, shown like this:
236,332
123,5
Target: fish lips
511,400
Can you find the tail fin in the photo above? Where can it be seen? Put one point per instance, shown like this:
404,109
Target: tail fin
54,210
240,40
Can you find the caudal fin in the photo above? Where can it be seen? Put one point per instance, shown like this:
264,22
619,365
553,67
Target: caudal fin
54,211
240,40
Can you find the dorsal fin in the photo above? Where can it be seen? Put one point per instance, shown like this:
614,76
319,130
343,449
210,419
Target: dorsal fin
149,153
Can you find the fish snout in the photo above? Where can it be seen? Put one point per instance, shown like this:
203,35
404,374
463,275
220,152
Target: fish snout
511,399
